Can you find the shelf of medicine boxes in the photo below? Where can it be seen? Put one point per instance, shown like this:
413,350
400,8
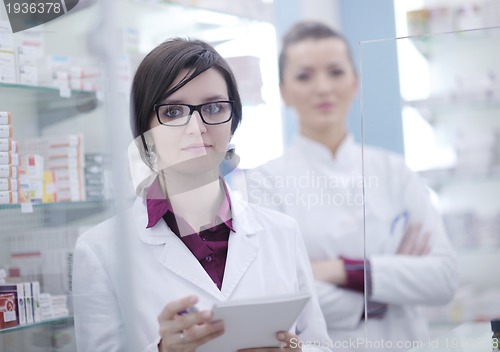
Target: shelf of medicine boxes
52,104
437,178
243,9
73,211
428,44
430,108
216,22
62,321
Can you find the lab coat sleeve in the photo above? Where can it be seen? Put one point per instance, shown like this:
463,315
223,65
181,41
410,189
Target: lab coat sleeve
98,321
311,326
341,308
428,279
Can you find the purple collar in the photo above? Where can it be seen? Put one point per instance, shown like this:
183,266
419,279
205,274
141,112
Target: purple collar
157,206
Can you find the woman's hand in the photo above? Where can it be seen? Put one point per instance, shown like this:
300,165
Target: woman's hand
332,271
413,243
290,342
185,333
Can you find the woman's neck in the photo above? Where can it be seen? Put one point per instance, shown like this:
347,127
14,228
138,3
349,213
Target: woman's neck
331,137
196,199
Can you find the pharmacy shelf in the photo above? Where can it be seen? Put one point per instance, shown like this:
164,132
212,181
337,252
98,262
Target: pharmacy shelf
242,9
62,205
429,43
59,322
254,9
53,215
437,105
452,101
47,89
437,178
52,104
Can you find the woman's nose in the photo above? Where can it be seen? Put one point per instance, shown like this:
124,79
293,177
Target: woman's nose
196,124
323,84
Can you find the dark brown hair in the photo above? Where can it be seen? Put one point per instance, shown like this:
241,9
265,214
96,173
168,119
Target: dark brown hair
306,30
159,69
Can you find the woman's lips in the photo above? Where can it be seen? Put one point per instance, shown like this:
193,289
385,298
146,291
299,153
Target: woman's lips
324,107
197,147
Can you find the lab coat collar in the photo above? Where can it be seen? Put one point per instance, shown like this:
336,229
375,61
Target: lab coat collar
176,257
318,152
243,221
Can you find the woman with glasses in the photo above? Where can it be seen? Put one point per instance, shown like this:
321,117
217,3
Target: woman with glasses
190,243
353,203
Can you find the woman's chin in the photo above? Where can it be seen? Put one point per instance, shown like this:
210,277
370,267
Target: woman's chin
196,165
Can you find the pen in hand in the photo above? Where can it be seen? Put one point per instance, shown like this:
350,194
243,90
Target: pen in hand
188,310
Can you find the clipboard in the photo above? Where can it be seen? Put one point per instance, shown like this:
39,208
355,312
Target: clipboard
254,323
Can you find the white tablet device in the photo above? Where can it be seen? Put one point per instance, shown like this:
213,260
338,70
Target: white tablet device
254,323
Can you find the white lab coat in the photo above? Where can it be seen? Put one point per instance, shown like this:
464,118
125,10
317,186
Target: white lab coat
324,194
123,279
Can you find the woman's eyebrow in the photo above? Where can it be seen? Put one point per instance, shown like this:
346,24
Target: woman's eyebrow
305,68
183,101
215,98
335,65
171,101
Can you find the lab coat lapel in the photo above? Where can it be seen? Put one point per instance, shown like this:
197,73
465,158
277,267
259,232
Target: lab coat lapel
175,256
243,246
242,249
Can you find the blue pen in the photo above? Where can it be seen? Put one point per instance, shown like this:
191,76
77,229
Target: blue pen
188,310
403,216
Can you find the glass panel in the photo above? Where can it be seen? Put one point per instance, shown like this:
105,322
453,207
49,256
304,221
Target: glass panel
431,215
54,174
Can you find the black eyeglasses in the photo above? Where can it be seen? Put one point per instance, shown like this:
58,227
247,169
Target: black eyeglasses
212,113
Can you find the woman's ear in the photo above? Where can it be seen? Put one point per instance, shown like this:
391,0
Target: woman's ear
231,160
231,150
147,149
